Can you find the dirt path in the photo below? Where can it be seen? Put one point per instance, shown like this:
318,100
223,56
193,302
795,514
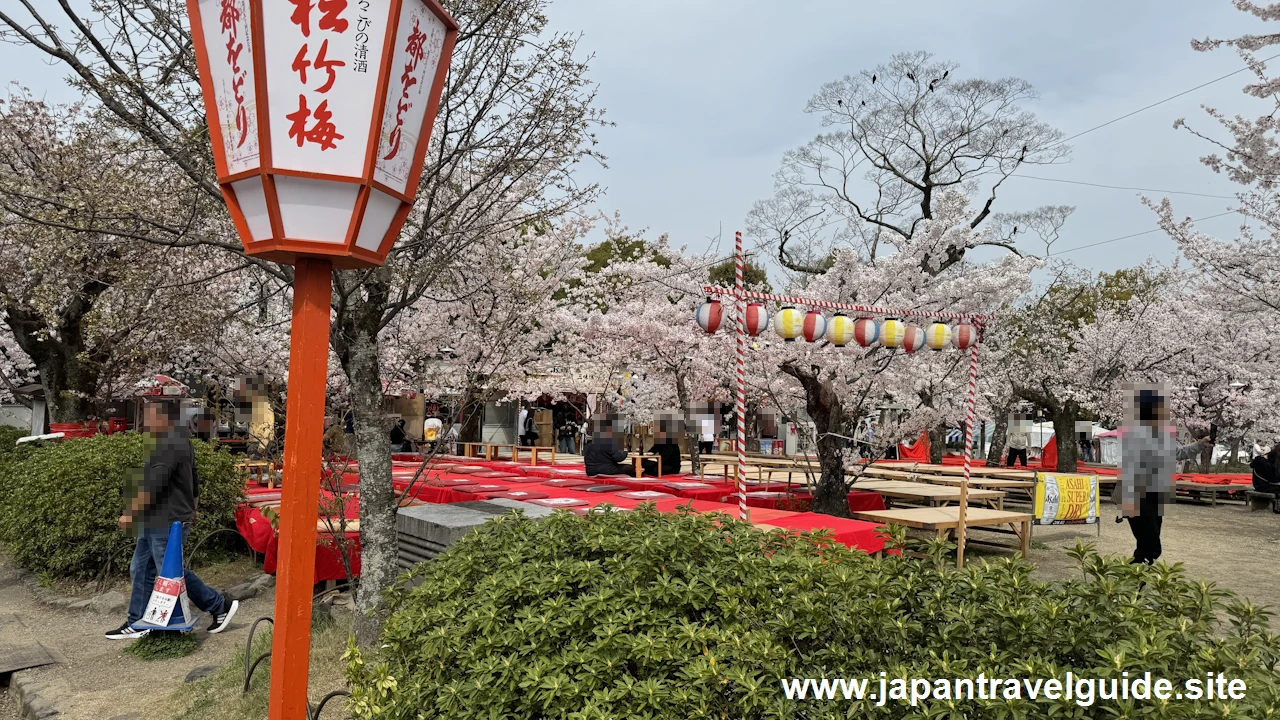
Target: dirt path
101,682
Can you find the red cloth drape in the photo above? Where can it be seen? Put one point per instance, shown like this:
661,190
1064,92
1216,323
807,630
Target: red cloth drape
919,452
1049,458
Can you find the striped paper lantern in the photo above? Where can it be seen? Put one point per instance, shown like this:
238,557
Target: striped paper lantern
788,323
865,331
815,326
965,336
757,319
892,331
840,330
709,316
912,338
938,336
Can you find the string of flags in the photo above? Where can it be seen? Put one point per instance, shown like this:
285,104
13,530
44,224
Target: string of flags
790,323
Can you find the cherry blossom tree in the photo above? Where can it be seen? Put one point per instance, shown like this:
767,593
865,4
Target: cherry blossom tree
93,311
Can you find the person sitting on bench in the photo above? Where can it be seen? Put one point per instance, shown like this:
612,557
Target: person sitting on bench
1266,471
603,455
665,447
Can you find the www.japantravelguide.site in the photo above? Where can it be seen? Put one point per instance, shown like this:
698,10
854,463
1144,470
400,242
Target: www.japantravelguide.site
1083,691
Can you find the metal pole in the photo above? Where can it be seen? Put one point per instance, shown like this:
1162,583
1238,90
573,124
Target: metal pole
740,404
969,401
300,496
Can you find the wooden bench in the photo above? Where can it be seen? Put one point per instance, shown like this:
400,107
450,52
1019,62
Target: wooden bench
1262,501
945,520
534,451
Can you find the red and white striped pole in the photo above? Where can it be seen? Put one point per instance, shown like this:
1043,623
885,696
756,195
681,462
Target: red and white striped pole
970,399
740,405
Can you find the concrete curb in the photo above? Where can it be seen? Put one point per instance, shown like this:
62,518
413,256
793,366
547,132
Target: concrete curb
26,690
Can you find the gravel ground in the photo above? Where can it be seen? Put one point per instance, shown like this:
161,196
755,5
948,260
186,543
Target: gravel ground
1227,544
8,708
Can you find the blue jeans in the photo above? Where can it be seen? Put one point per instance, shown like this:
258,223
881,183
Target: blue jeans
566,445
148,559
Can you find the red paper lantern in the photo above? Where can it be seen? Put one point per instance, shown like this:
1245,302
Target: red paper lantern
815,326
757,319
913,338
865,331
709,315
319,115
964,336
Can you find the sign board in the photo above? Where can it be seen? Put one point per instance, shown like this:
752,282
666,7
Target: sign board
1063,499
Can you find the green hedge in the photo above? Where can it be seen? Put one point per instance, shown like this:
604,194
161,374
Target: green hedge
648,615
59,503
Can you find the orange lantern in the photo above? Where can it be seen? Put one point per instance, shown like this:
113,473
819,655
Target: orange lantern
319,113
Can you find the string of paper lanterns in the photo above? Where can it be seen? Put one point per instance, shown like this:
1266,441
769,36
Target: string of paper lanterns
790,323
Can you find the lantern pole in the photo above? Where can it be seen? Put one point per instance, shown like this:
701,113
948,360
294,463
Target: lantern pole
969,401
300,495
740,404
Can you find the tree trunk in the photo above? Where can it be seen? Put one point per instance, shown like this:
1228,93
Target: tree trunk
377,499
937,443
1064,428
827,413
996,452
69,385
692,430
1235,451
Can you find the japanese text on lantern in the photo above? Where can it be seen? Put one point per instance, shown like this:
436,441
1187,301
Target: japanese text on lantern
414,49
361,62
230,20
312,122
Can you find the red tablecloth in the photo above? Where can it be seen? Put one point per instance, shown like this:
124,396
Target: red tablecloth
852,533
860,500
1243,479
257,531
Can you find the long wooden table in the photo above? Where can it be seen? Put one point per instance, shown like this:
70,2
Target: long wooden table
945,520
931,495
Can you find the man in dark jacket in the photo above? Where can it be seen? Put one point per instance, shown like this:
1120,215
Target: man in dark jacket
168,494
603,455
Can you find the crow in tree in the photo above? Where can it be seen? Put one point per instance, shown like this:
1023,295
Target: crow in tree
873,78
911,77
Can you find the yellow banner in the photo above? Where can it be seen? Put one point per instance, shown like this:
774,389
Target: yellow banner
1066,499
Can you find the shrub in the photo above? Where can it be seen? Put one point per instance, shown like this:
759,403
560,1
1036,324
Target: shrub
60,505
648,615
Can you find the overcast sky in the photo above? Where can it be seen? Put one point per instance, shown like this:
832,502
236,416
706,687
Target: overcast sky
707,95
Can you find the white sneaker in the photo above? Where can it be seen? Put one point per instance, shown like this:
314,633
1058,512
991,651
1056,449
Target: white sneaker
222,621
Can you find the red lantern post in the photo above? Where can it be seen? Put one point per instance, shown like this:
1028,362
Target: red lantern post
319,115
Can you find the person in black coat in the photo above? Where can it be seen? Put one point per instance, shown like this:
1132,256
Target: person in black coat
603,455
1266,471
665,447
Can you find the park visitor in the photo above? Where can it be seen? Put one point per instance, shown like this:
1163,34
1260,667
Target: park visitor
665,447
1148,453
1017,441
1266,475
168,493
603,455
566,434
398,436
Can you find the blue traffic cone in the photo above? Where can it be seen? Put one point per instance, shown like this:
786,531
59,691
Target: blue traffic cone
169,607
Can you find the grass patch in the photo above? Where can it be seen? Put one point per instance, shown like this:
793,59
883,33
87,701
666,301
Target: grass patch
1037,545
163,645
219,696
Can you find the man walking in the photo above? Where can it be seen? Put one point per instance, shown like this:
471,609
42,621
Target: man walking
168,494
